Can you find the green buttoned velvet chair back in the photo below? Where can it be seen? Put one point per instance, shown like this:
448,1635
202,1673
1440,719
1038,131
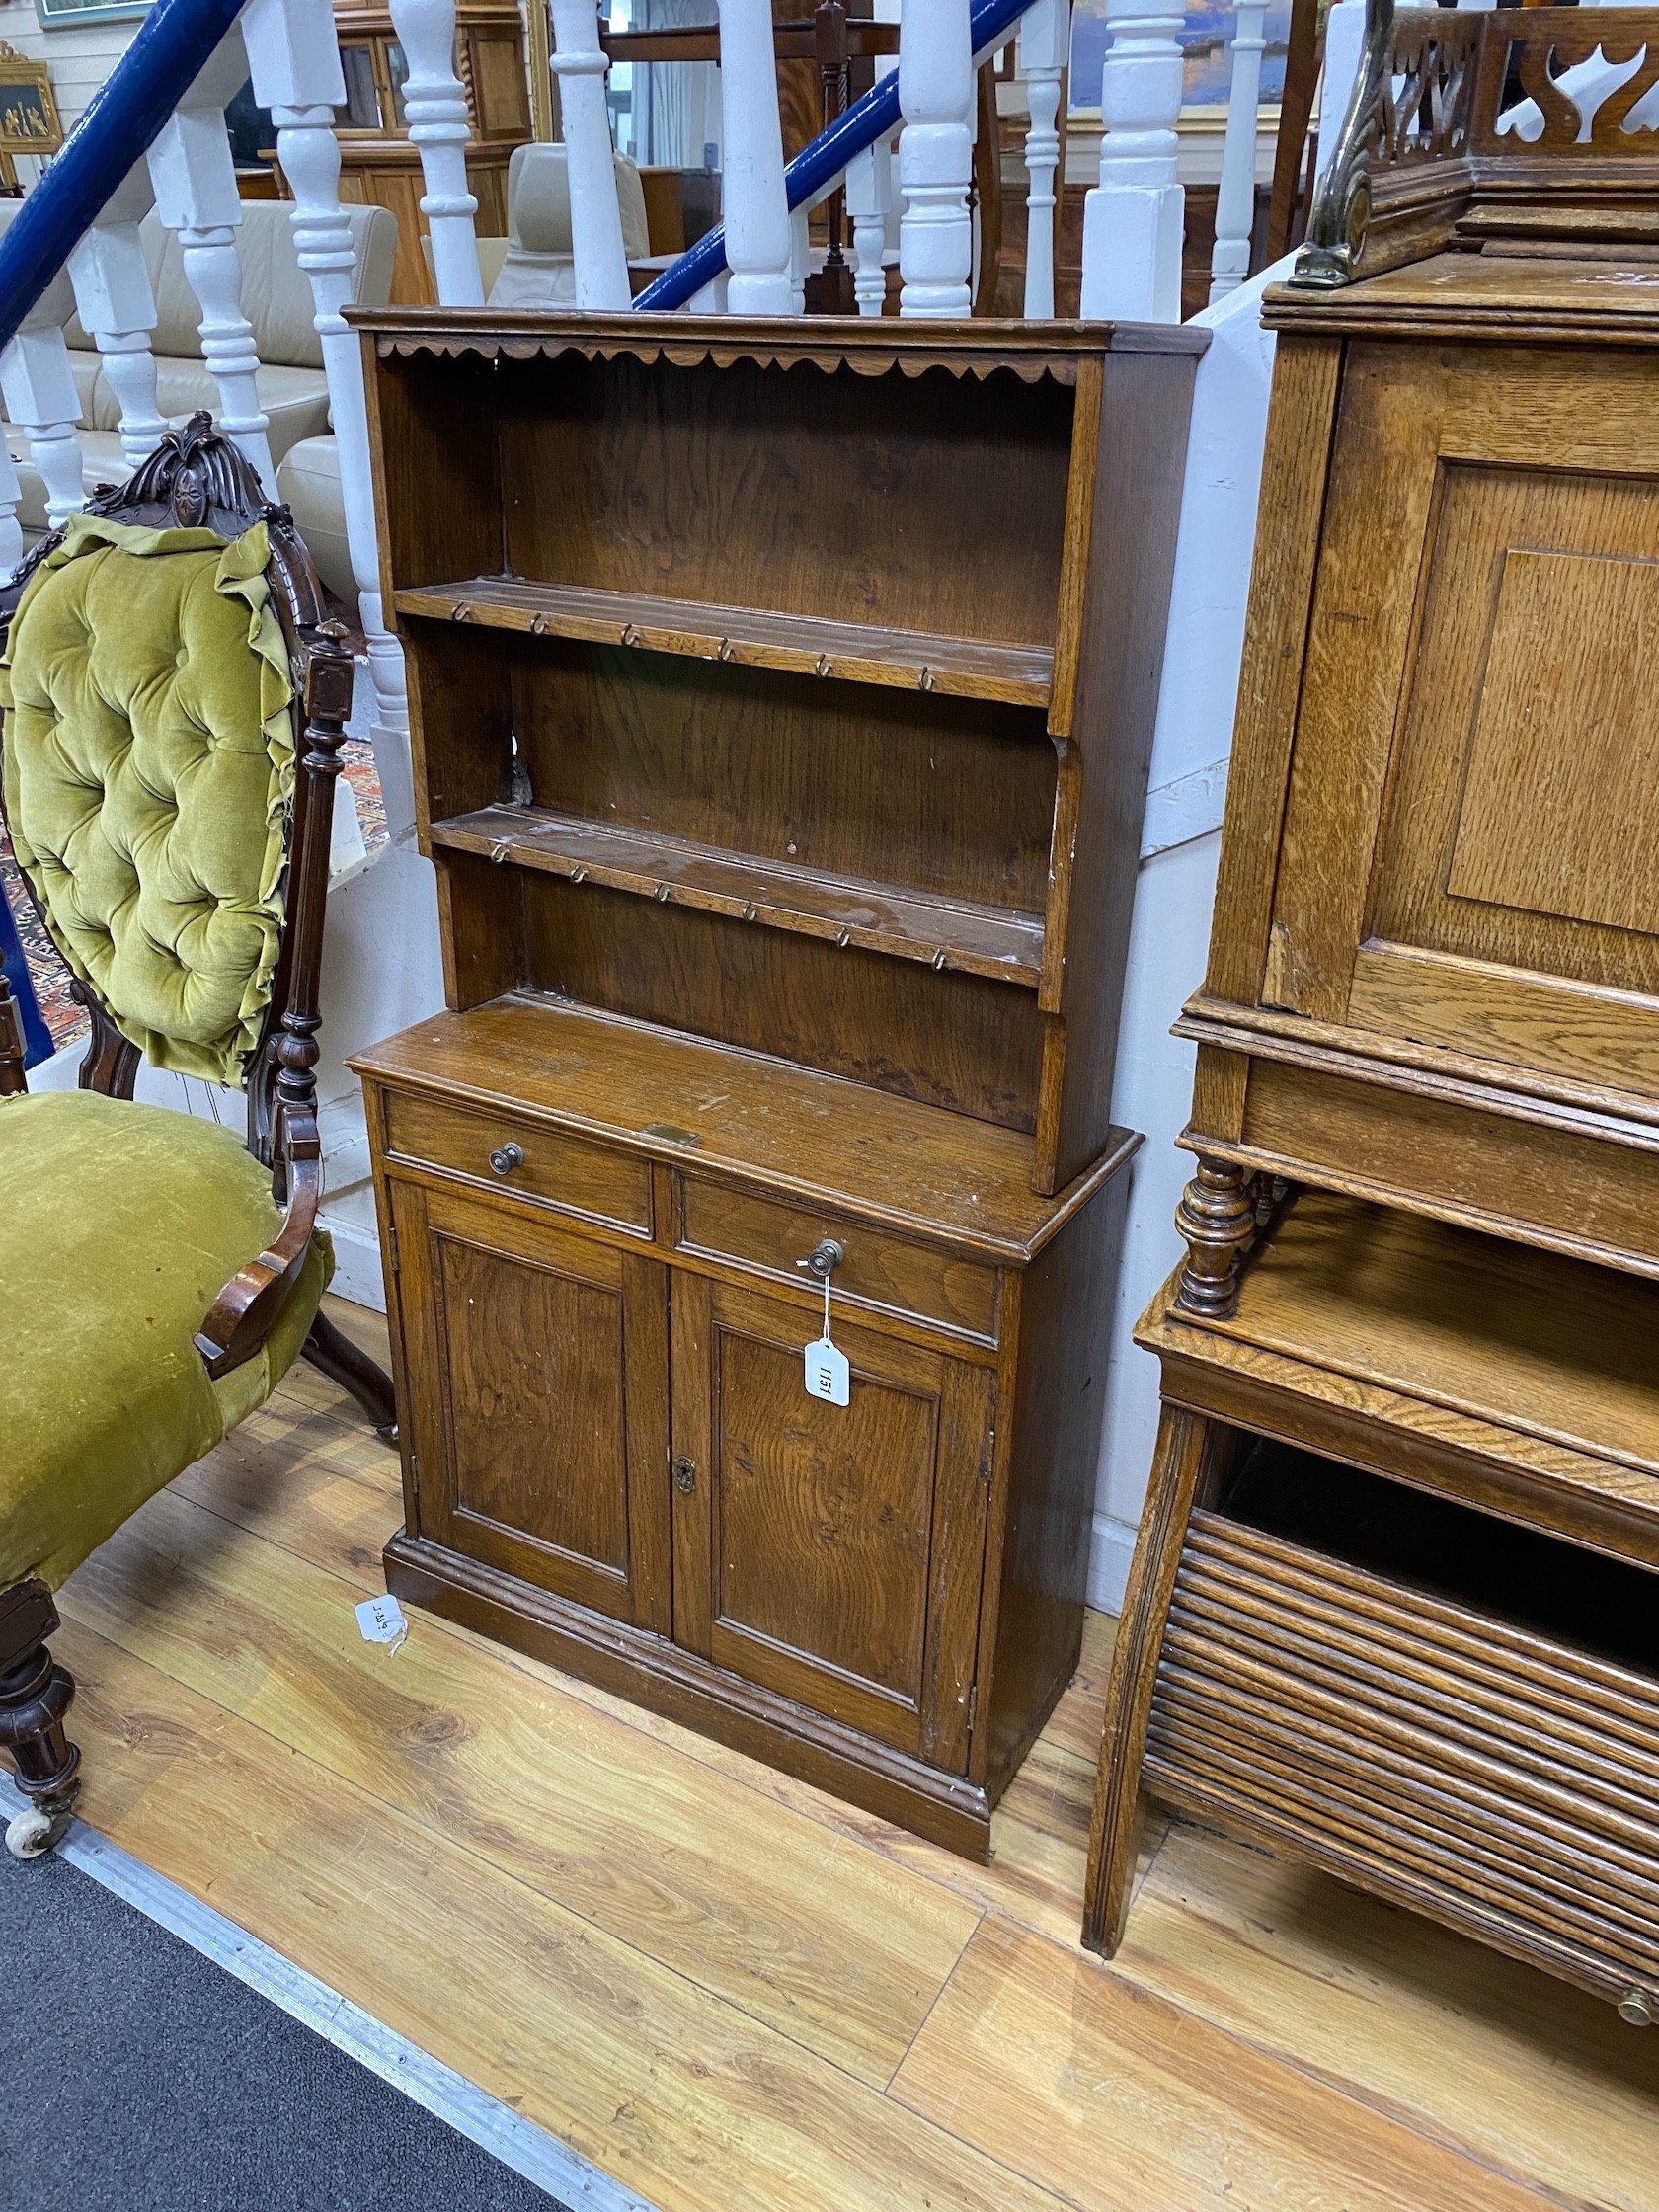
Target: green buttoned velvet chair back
157,1274
149,774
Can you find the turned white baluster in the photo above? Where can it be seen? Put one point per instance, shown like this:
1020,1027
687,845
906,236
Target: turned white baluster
935,158
760,240
1133,219
869,199
800,259
194,179
294,63
11,529
1045,48
435,102
1236,201
601,258
112,296
42,401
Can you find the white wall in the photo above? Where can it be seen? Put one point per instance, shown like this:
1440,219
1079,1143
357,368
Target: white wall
1170,931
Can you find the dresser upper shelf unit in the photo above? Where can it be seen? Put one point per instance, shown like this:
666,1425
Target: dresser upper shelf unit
795,690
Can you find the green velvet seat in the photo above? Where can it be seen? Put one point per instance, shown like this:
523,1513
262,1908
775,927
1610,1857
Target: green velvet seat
119,1225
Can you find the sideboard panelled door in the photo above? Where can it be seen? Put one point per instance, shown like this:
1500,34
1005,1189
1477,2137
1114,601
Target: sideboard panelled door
829,1554
1471,856
539,1388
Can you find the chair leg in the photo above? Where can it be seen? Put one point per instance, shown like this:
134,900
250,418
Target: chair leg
35,1695
333,1351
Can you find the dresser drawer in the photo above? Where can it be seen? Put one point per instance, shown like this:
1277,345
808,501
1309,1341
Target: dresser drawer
881,1272
555,1168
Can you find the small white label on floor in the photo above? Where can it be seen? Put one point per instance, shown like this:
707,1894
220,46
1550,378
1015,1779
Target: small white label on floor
381,1621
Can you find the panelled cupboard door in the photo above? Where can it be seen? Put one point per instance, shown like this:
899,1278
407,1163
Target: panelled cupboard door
538,1375
831,1554
1470,847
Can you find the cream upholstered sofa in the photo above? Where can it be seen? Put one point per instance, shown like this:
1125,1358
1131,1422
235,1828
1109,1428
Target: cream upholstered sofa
293,392
538,266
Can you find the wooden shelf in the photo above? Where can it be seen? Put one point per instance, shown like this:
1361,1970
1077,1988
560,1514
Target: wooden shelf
806,645
981,940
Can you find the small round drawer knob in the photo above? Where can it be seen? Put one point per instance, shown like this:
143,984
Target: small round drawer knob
506,1158
1636,2009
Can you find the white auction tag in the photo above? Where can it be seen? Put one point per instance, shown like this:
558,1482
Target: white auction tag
381,1621
828,1372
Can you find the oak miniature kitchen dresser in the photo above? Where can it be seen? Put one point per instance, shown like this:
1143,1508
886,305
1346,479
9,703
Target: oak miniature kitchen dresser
782,696
1396,1600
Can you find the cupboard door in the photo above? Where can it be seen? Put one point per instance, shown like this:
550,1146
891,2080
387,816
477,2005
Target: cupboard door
1471,849
537,1366
831,1554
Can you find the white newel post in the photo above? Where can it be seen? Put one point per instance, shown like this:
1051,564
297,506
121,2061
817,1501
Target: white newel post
761,242
42,400
115,304
435,102
194,179
596,248
1045,48
869,199
1236,201
1132,219
294,63
936,91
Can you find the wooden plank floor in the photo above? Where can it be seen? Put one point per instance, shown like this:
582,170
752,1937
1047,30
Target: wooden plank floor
736,1995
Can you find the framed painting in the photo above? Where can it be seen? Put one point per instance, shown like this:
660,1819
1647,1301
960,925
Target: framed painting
59,15
28,119
1205,41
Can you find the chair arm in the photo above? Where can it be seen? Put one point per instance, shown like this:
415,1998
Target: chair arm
251,1302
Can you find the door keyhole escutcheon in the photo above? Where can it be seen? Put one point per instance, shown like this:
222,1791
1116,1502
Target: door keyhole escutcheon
685,1475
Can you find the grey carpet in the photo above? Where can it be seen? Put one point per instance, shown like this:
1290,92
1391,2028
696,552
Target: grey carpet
136,2076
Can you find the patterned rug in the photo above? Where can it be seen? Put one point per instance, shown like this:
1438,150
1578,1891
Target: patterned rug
63,1018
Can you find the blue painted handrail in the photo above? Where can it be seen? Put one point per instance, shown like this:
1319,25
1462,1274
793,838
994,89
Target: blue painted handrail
873,118
123,120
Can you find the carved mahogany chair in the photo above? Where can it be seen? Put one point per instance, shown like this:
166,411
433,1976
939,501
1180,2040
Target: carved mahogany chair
175,692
